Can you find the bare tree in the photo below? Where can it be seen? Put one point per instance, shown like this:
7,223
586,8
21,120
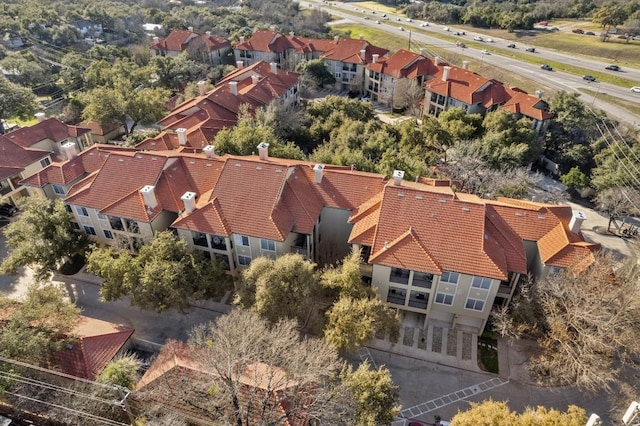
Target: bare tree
408,93
586,325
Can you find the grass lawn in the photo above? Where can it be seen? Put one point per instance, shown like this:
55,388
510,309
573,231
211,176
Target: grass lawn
632,108
394,42
372,5
488,355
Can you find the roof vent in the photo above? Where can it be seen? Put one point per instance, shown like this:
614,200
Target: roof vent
318,170
466,209
442,201
189,199
401,194
209,151
182,135
263,151
541,217
519,214
149,196
397,177
418,197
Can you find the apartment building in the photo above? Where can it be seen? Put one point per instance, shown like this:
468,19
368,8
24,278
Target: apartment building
195,122
208,48
16,164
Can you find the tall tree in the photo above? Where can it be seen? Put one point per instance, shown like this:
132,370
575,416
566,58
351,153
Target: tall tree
609,16
41,237
241,349
278,289
15,100
585,324
33,330
489,413
162,276
374,392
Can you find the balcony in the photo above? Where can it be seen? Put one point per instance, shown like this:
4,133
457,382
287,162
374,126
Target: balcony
302,251
422,280
419,300
4,189
116,223
200,239
504,289
218,243
396,296
399,275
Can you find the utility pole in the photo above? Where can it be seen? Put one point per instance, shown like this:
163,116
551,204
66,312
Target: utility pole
409,40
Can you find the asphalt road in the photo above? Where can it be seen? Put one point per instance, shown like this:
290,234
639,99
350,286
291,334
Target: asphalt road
554,79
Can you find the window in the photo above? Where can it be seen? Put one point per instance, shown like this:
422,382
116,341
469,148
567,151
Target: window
399,275
107,234
244,260
218,242
58,189
449,277
45,162
102,216
267,245
483,283
82,211
242,240
132,226
75,225
200,239
474,304
418,300
89,230
444,299
116,223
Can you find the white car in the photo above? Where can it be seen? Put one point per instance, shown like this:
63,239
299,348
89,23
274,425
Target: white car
635,89
489,40
409,20
485,52
401,28
424,24
446,28
478,38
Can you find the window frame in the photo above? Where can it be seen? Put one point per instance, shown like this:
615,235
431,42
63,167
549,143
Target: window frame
82,211
268,243
58,189
244,257
449,274
482,281
89,230
107,234
239,239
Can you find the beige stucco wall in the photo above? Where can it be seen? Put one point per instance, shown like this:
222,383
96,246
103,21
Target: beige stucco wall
332,234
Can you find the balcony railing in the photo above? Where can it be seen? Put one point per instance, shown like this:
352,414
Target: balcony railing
299,250
396,296
418,303
422,280
504,289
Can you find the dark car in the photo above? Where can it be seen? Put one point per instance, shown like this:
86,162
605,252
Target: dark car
577,31
612,68
588,77
546,67
8,210
530,49
511,45
589,33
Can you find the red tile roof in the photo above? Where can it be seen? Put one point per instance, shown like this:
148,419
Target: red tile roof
273,41
51,129
527,105
215,42
404,64
461,84
348,50
177,41
14,156
98,342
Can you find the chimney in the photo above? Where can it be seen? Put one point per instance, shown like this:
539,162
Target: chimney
445,73
202,87
437,60
465,65
241,39
361,37
233,87
149,195
70,150
423,52
375,57
291,34
208,33
255,78
577,217
263,151
190,29
239,65
397,177
274,68
209,151
182,135
40,116
317,170
336,39
272,27
156,40
363,54
189,200
539,93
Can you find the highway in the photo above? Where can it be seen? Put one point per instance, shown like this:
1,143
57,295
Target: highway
554,79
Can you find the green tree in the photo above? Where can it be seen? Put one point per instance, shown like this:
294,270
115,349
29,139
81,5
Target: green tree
459,124
575,179
28,71
15,100
346,279
609,16
42,324
121,371
41,238
162,276
374,392
490,413
508,142
174,71
278,289
315,74
353,322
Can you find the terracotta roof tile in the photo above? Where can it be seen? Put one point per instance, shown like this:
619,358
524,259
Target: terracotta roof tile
406,251
176,41
49,129
15,156
348,50
404,64
461,84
